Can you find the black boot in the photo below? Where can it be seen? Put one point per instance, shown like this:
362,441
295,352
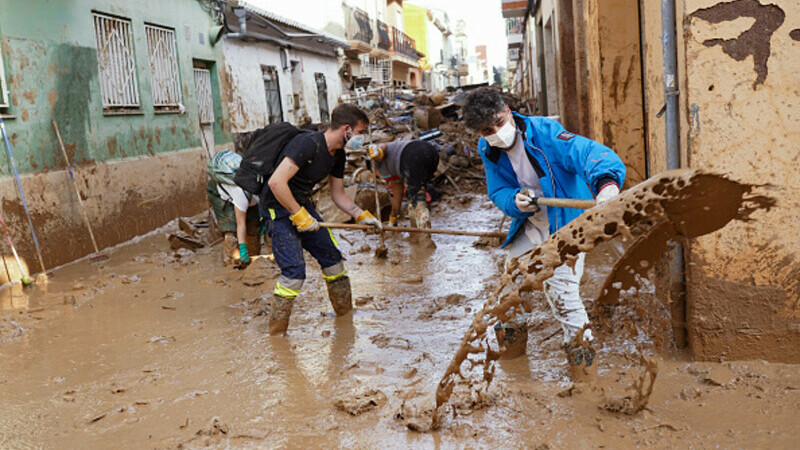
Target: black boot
581,360
340,295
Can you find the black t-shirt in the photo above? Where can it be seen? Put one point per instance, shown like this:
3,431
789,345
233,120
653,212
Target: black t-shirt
309,151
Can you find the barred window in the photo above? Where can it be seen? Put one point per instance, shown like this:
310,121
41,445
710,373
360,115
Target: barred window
163,67
3,88
115,62
205,102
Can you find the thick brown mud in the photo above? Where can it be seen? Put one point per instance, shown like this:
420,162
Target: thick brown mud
157,349
679,204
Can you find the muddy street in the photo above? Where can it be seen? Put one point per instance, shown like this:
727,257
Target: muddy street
162,349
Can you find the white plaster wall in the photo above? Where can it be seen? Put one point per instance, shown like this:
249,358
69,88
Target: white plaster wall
310,64
247,105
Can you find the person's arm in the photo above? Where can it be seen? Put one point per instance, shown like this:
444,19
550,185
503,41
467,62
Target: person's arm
396,187
241,225
341,199
279,185
502,190
347,205
597,164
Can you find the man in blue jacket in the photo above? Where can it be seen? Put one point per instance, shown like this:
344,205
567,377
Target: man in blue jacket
526,157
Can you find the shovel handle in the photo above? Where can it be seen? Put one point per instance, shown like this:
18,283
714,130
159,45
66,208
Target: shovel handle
564,202
353,226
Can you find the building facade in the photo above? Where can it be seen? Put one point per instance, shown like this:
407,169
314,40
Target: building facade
134,89
277,69
600,67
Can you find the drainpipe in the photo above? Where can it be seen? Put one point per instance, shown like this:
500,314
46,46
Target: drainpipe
677,275
241,16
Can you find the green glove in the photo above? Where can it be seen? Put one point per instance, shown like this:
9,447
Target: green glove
243,255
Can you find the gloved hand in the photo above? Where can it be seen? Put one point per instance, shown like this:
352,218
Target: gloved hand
607,192
375,153
524,201
393,220
244,256
366,218
303,221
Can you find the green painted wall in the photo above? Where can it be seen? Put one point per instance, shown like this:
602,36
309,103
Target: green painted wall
50,59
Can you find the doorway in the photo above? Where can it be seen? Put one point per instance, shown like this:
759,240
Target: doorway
322,97
205,107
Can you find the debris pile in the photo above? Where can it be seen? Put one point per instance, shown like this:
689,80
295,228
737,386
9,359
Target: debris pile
397,114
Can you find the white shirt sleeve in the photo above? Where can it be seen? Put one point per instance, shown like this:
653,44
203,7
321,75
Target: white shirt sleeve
235,195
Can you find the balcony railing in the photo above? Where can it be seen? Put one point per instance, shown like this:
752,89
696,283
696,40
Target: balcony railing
357,26
403,44
384,35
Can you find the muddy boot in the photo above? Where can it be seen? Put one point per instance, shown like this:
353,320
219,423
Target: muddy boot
581,360
230,249
423,216
412,215
513,336
279,314
340,295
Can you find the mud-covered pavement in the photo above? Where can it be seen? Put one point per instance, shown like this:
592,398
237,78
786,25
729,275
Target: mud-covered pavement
156,349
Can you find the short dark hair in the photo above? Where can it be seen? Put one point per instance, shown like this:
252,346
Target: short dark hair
482,107
348,114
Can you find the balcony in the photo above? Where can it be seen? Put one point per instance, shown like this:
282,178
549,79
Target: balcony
358,30
403,44
384,36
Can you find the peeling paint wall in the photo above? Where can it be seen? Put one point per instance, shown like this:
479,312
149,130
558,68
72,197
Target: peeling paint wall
623,123
743,99
50,57
245,95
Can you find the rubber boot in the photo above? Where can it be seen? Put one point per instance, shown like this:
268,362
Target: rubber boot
423,216
412,215
279,314
581,360
230,249
340,295
513,336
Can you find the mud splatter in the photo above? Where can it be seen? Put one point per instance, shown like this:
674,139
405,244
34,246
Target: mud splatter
677,204
642,388
755,41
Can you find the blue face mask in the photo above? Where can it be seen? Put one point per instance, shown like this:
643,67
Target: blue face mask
355,142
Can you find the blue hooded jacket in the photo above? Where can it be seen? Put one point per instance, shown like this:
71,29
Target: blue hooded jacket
568,166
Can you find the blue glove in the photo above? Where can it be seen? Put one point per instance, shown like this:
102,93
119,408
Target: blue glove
243,255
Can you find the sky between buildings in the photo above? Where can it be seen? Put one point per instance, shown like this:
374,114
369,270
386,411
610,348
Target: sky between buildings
485,24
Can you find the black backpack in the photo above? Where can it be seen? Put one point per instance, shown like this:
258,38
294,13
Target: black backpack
263,154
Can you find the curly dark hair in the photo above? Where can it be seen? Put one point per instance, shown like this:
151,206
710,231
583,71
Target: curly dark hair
482,107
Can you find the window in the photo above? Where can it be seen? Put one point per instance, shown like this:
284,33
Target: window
163,68
115,62
205,99
3,89
273,93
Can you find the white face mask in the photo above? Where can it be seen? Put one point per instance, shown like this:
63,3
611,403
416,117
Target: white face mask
504,137
354,142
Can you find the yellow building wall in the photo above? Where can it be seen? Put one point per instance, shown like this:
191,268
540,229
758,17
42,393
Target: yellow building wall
416,22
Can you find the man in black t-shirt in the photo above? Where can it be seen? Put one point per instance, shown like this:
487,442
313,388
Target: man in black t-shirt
293,222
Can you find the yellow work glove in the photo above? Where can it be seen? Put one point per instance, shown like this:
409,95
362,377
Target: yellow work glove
375,153
393,221
366,218
303,221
